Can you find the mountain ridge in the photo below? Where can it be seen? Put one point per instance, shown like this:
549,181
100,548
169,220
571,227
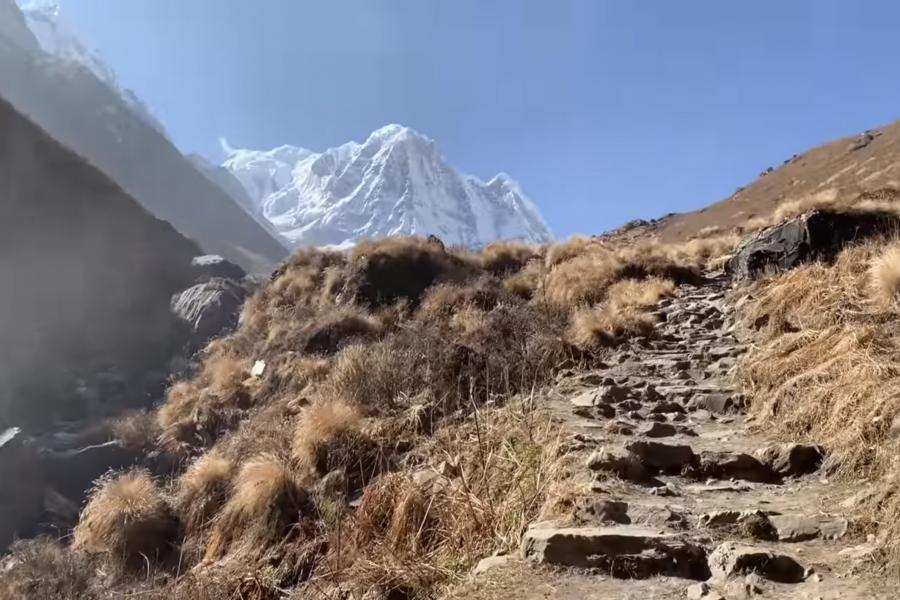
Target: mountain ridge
94,119
396,182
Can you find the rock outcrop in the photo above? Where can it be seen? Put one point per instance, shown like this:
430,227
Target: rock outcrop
817,235
86,114
210,309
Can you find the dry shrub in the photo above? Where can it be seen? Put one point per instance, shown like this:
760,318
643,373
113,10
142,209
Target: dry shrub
503,259
707,252
128,519
290,374
267,501
202,490
884,277
709,231
374,376
301,280
413,538
385,271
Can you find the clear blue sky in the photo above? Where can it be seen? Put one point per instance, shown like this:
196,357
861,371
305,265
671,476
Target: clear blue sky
604,110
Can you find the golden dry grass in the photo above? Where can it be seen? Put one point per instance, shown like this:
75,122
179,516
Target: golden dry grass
502,259
202,490
127,519
267,500
825,370
884,277
377,364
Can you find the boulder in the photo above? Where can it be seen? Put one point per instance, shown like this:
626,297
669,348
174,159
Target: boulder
792,460
210,309
656,429
731,559
621,551
211,266
22,490
670,458
735,465
817,235
626,467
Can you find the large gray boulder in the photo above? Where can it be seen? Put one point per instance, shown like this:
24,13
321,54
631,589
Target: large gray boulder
210,309
817,235
210,266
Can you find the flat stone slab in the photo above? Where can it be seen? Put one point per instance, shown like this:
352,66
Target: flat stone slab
799,528
627,551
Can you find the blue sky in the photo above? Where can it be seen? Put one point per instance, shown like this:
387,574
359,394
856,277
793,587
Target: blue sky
604,110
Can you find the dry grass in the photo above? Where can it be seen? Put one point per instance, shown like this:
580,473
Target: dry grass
884,277
202,490
385,271
266,503
825,369
44,569
502,259
623,315
390,360
330,438
127,519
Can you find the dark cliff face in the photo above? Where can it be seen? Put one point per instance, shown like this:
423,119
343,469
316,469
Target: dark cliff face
86,115
86,276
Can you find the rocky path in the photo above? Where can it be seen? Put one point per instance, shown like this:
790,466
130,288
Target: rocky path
674,496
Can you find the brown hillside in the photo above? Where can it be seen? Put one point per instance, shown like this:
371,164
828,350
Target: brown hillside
845,167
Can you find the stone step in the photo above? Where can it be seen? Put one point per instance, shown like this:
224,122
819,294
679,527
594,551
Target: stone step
627,551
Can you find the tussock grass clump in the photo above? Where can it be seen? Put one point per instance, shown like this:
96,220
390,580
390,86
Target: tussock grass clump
267,500
884,277
502,259
328,333
623,315
385,271
330,438
196,412
127,519
608,325
583,279
202,490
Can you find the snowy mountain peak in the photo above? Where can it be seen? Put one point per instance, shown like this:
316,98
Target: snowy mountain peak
394,183
57,38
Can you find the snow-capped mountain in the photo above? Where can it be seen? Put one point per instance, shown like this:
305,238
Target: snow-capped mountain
394,183
57,38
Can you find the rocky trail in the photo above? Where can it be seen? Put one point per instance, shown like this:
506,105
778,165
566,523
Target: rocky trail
674,494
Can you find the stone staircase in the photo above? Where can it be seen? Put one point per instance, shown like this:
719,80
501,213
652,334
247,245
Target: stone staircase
681,498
